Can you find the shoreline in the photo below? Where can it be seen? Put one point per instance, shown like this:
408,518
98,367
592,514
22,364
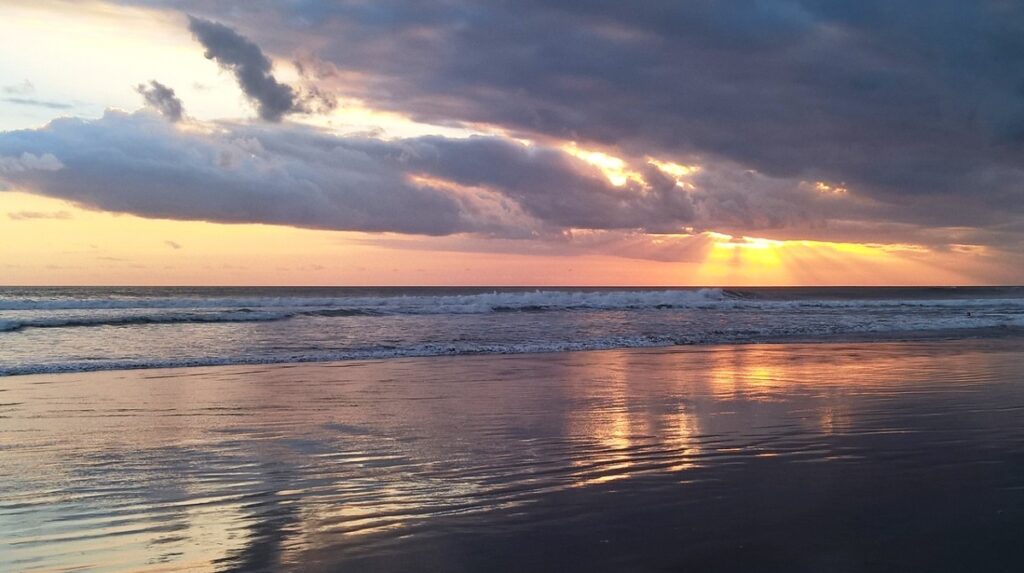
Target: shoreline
965,335
104,330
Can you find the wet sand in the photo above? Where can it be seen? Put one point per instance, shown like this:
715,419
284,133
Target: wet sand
787,457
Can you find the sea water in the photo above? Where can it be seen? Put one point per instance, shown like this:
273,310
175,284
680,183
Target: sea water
81,329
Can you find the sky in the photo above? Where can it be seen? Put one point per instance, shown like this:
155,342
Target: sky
754,142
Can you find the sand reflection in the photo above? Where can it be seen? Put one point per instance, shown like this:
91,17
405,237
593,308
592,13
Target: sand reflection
241,468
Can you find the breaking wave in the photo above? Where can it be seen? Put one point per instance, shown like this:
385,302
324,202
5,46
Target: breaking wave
149,329
407,304
241,315
22,313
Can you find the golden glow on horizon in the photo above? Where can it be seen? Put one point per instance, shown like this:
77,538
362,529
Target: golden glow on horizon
733,261
725,241
49,241
73,45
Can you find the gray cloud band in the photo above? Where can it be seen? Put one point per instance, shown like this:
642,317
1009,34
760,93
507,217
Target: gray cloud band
298,176
488,186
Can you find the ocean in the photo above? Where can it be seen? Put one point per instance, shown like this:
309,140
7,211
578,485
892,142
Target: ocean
53,329
460,429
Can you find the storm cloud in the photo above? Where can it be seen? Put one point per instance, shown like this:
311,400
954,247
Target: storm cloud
915,106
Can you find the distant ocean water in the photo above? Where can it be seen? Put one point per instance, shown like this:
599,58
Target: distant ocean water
80,329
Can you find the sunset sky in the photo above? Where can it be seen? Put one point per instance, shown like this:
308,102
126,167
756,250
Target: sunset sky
517,143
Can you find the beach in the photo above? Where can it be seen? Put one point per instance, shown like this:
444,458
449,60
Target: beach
845,456
528,287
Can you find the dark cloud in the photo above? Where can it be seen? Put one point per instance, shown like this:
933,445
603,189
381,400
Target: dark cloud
137,163
918,106
313,99
298,176
162,99
251,67
488,186
548,184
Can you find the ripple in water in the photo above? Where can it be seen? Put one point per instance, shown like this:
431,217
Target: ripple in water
805,457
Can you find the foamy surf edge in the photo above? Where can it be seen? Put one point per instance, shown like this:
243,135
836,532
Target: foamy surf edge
440,350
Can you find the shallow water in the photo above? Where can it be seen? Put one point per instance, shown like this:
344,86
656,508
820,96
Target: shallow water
793,457
74,329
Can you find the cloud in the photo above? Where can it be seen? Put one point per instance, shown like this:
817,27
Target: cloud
292,175
313,99
10,165
20,95
162,99
38,102
691,247
488,186
251,67
173,244
918,106
916,110
24,88
35,215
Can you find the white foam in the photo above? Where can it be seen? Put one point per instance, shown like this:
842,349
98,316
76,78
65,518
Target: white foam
886,330
134,319
481,303
418,351
406,304
348,327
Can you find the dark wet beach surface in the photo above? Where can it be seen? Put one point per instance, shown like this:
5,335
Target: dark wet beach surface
787,457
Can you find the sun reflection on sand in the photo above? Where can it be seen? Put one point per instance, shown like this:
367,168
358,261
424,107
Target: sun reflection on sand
257,467
744,375
612,426
620,429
